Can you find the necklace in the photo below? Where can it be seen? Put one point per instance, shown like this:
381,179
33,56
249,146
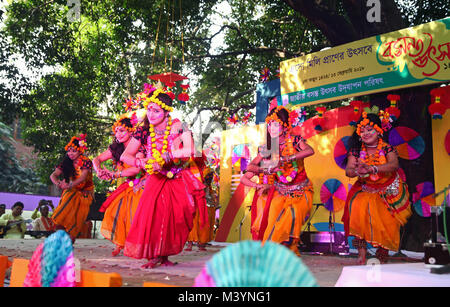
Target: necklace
290,169
156,154
376,158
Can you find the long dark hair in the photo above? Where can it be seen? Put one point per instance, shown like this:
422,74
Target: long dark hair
68,169
117,148
283,115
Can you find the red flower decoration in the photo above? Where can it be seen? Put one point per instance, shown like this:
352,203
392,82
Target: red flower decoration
437,109
393,111
183,97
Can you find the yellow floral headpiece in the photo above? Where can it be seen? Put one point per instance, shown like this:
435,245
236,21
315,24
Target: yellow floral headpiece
119,123
274,117
82,145
154,99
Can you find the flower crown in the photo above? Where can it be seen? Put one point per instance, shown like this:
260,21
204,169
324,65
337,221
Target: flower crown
119,123
384,118
82,145
154,99
274,117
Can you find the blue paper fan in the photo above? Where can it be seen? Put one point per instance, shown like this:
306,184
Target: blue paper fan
248,264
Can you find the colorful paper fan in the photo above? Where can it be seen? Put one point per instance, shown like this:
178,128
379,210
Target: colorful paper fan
340,151
250,264
409,144
52,263
265,74
240,156
333,195
423,200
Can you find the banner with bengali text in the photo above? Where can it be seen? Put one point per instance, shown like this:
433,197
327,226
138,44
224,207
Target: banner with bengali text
410,57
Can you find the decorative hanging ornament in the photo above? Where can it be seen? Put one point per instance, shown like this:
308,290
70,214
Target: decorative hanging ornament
265,74
437,109
320,120
278,74
246,118
169,86
231,121
393,111
357,106
183,96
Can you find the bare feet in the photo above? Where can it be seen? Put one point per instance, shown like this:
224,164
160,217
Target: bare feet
201,247
165,261
116,251
189,246
152,263
362,256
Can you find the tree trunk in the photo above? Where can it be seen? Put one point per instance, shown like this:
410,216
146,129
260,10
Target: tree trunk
348,22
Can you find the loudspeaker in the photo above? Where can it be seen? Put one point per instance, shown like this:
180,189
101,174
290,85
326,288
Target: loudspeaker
323,242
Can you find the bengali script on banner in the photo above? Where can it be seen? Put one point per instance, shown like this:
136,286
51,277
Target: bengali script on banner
409,57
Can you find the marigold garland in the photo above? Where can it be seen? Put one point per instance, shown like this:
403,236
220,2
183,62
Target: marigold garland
156,154
378,158
290,168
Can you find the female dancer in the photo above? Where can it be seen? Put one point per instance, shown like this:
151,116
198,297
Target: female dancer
290,195
121,205
77,186
172,193
378,203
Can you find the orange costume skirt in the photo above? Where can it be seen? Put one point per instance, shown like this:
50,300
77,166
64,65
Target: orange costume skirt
285,212
203,233
119,209
72,210
375,211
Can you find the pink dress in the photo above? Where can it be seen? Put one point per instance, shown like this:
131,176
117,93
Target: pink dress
166,209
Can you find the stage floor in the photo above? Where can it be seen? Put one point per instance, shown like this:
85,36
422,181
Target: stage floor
95,254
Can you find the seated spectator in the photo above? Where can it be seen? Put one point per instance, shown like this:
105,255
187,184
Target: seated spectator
14,222
43,223
36,213
2,209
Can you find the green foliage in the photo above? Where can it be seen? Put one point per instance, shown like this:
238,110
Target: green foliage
14,177
92,64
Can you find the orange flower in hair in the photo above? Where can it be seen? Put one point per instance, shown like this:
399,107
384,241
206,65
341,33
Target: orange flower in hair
274,117
119,123
366,122
82,145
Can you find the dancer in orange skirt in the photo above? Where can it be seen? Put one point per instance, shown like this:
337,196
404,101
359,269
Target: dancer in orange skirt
77,186
378,203
282,173
121,205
